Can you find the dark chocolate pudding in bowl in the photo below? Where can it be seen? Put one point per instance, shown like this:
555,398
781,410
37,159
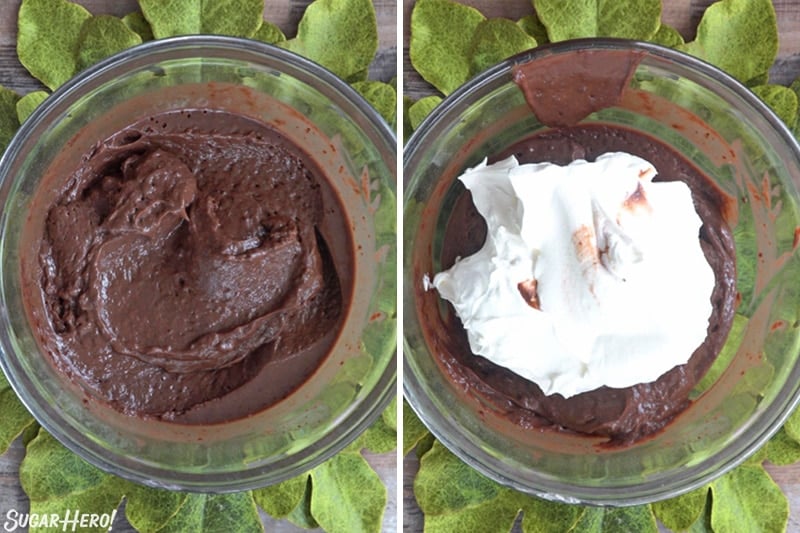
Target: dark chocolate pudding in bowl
198,263
599,243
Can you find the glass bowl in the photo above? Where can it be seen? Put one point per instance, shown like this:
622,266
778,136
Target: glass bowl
356,151
721,127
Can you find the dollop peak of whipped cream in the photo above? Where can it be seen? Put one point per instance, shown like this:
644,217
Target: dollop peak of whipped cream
591,275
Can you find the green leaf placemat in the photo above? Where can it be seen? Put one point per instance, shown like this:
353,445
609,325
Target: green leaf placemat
740,36
56,40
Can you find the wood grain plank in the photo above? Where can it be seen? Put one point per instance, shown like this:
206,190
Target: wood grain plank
413,519
11,494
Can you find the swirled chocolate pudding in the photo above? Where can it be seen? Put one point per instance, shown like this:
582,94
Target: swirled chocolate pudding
588,271
195,267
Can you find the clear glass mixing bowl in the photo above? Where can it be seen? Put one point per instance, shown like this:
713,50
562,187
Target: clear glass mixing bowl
356,150
727,132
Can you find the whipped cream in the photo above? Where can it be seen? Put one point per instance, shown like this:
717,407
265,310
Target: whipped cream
591,274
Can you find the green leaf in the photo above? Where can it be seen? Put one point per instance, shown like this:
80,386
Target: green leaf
441,36
413,429
279,500
230,512
381,96
487,517
301,515
343,498
381,436
407,129
341,35
571,19
792,425
15,417
591,520
681,512
495,40
668,36
213,512
795,86
389,415
532,25
761,79
758,457
378,438
445,484
421,109
782,100
738,36
269,33
424,445
9,124
49,32
638,518
149,509
55,479
361,75
30,433
240,18
703,523
137,23
610,519
782,449
542,516
747,499
28,103
454,497
103,36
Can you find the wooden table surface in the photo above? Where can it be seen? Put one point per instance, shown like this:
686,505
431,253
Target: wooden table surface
286,14
684,16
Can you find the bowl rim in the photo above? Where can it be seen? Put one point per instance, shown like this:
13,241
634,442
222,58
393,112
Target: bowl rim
146,473
445,428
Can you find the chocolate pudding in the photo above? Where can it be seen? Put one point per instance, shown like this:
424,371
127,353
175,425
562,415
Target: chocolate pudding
562,90
190,254
624,415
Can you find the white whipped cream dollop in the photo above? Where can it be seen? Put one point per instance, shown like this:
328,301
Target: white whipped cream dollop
591,274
